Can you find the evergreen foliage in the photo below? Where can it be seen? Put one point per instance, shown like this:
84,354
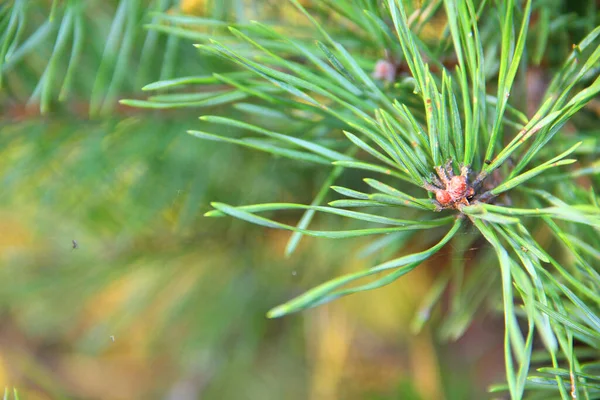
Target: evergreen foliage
411,98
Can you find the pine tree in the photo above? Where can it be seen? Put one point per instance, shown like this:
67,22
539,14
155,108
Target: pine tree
432,104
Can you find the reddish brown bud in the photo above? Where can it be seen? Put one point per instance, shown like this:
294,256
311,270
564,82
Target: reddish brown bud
385,70
443,197
457,187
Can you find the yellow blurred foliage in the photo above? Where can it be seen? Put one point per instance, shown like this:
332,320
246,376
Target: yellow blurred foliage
193,7
15,236
4,382
329,339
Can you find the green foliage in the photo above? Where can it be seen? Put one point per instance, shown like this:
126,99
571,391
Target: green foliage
81,52
406,129
7,394
318,103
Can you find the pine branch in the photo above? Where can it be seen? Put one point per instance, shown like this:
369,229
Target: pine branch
371,92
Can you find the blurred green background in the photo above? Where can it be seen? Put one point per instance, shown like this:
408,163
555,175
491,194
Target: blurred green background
157,301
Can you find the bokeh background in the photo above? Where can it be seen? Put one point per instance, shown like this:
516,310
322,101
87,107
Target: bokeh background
114,285
158,301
